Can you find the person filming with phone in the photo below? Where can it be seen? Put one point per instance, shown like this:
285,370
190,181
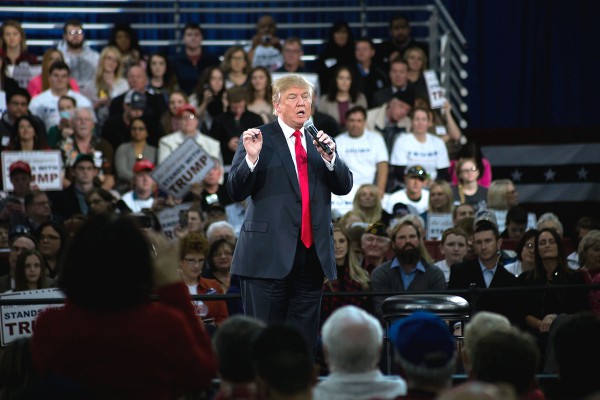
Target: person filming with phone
265,49
285,245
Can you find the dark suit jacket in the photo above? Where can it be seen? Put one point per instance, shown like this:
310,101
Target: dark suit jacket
384,95
467,272
224,127
269,235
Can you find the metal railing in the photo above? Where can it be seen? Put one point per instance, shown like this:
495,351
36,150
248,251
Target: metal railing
229,22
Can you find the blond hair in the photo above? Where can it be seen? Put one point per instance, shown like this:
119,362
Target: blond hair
287,82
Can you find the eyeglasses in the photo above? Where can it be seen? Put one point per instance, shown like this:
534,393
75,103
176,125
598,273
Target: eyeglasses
223,254
193,261
466,170
76,32
111,58
529,246
49,237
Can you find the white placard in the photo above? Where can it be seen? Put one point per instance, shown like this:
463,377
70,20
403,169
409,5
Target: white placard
17,321
437,97
437,224
169,219
187,164
46,168
2,102
23,73
531,221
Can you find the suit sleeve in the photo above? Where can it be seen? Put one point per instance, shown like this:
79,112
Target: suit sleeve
340,179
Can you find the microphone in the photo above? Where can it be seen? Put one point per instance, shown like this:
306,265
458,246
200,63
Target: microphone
310,128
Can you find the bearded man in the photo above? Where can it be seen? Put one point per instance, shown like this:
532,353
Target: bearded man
411,269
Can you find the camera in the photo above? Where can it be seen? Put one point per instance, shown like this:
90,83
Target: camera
266,39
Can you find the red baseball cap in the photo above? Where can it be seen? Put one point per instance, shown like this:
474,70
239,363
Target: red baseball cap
143,165
19,166
184,108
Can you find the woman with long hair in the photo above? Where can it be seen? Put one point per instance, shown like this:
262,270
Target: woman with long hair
589,259
472,150
260,94
468,191
14,44
125,39
351,277
339,50
367,201
52,242
30,271
25,136
502,195
128,153
161,76
440,197
342,95
416,60
525,254
100,201
209,97
40,82
169,119
236,66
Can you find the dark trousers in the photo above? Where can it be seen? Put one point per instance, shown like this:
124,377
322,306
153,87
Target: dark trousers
295,299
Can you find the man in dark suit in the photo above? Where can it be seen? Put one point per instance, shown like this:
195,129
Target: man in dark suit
285,246
486,271
398,83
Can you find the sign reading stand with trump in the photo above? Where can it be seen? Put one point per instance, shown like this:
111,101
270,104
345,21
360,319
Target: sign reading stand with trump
188,164
46,168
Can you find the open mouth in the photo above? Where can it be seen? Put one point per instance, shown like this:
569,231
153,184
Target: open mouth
301,113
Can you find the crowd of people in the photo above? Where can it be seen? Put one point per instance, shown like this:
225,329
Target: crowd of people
423,214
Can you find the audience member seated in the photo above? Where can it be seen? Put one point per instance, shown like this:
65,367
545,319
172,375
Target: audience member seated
282,363
480,325
45,104
17,105
190,63
128,153
468,191
342,95
100,201
228,127
125,39
220,229
352,344
416,59
40,82
292,56
413,194
440,197
541,307
461,212
398,78
375,246
507,356
260,93
38,210
235,67
13,203
516,222
160,346
392,118
169,120
211,190
425,352
367,202
141,196
398,42
193,249
84,141
17,243
411,269
188,128
486,271
26,135
218,268
209,97
30,272
14,46
155,105
421,148
550,220
64,130
472,150
161,78
52,240
525,254
351,277
79,56
339,50
369,78
582,227
364,152
502,195
71,200
475,390
107,84
444,125
232,343
454,247
265,47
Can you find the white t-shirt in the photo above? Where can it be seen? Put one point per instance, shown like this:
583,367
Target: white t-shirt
431,155
135,204
443,265
401,197
45,106
362,154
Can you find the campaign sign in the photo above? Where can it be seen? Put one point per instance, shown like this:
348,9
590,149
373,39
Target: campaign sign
437,98
46,168
187,164
437,224
18,321
169,219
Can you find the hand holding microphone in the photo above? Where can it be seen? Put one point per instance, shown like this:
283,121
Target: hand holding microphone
310,128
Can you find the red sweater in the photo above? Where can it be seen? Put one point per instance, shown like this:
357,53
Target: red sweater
154,351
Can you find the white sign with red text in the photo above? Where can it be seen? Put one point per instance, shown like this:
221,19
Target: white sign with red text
46,168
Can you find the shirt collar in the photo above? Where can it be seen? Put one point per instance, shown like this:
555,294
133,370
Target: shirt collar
396,264
483,268
288,131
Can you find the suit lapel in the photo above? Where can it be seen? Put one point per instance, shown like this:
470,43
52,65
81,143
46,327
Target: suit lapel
282,150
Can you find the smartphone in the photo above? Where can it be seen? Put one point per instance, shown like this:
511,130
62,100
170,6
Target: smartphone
266,39
183,218
143,220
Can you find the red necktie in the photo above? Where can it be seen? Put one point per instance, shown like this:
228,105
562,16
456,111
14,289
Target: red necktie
302,165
